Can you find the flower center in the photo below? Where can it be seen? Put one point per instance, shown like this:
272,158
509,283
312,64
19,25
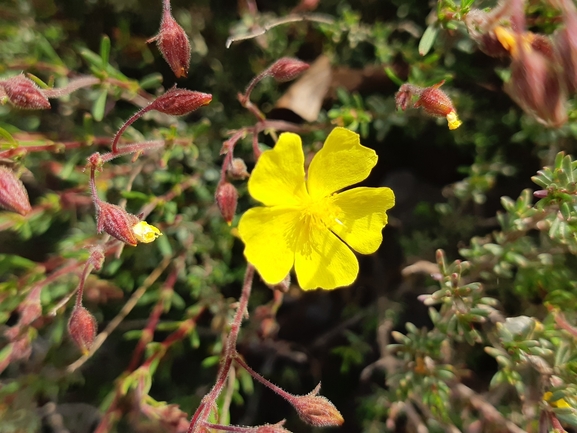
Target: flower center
317,215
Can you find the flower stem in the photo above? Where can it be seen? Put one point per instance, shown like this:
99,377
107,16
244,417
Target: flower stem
197,423
287,396
129,122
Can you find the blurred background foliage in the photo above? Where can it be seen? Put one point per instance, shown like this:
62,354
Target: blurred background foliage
423,341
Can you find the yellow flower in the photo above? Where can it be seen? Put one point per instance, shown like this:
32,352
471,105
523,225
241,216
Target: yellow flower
307,222
145,232
561,403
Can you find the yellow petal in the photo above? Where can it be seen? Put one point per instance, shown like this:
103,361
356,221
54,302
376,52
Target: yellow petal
279,175
323,260
145,232
342,162
269,235
362,217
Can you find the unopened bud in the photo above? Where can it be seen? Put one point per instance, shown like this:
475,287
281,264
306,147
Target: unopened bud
566,46
237,169
537,88
542,193
23,93
178,102
226,199
287,69
13,195
173,44
116,222
82,328
317,410
405,94
436,102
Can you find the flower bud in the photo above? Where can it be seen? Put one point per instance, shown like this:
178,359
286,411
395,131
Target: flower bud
287,69
82,328
565,40
178,102
436,102
13,195
237,169
173,44
226,199
23,93
405,94
116,222
317,410
542,193
537,88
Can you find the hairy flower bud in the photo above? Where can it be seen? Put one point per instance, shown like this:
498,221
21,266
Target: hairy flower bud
173,44
82,328
13,195
436,102
565,41
178,102
537,88
122,225
23,93
317,410
287,69
226,198
116,222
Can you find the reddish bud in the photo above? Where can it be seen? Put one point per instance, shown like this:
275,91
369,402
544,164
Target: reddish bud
13,195
537,88
434,101
237,169
405,94
565,41
173,45
116,222
317,410
287,69
178,102
82,328
542,193
24,93
226,199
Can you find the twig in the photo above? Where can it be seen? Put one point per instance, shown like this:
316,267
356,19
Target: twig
293,18
489,411
130,304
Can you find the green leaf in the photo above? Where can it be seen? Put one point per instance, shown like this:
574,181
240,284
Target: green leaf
99,105
428,39
105,49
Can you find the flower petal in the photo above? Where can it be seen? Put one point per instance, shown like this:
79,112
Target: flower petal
362,217
279,175
342,162
323,260
269,235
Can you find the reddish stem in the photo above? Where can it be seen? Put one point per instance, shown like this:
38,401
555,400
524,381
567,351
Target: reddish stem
129,122
287,396
209,400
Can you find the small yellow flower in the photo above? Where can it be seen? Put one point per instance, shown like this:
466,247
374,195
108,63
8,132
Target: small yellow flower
306,222
561,403
145,232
